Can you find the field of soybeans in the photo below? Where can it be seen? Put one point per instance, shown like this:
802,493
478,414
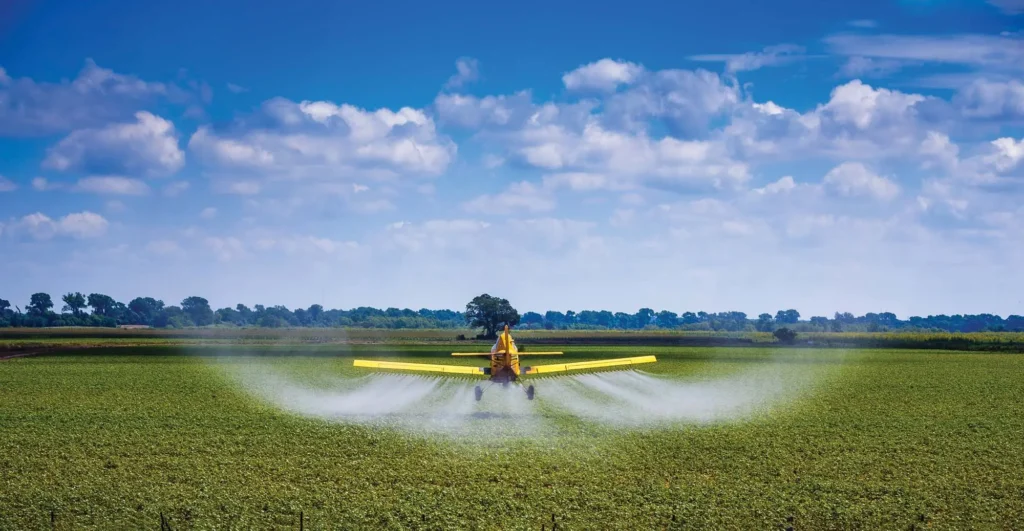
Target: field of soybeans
163,433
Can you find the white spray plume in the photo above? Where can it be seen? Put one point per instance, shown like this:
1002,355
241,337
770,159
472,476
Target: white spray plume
446,406
415,403
635,398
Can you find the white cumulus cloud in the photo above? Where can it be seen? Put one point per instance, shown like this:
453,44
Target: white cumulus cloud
683,101
78,225
629,159
858,121
325,141
783,185
96,96
603,75
853,179
147,147
999,100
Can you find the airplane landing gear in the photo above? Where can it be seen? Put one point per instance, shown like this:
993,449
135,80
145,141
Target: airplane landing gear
479,393
529,393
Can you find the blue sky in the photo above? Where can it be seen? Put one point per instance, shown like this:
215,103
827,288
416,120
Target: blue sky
732,156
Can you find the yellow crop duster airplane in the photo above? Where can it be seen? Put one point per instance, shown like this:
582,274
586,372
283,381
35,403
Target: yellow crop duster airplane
505,368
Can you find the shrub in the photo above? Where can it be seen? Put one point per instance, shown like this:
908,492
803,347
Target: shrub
785,335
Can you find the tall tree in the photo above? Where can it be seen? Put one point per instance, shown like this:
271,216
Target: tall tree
316,311
587,317
302,317
40,304
787,316
490,313
6,315
846,317
244,313
147,308
173,316
553,319
764,322
667,319
623,320
102,304
198,309
74,303
533,318
227,315
644,317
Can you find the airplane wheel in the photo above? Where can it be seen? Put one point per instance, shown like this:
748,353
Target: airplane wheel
529,393
479,393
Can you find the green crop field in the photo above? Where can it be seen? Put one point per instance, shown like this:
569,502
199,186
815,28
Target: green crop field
208,437
14,340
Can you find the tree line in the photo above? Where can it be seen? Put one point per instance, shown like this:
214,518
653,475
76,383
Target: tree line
735,321
196,311
484,311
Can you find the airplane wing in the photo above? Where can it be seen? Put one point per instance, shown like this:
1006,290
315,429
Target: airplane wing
456,369
532,353
541,369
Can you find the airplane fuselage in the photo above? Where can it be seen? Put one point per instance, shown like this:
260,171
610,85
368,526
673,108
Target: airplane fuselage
504,359
504,367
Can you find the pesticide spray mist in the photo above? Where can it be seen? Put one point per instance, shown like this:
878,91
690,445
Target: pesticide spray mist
639,399
430,405
425,405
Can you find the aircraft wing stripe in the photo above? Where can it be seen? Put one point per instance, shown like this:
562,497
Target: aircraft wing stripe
531,353
456,369
478,353
540,369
